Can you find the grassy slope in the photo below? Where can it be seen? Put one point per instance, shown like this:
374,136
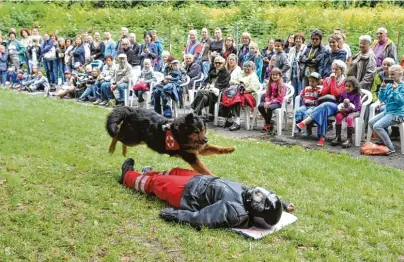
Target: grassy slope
59,197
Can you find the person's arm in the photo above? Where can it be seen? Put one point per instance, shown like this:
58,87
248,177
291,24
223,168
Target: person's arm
258,67
153,52
383,92
3,57
397,94
221,214
376,82
366,81
21,48
223,81
278,99
194,70
286,64
126,77
336,90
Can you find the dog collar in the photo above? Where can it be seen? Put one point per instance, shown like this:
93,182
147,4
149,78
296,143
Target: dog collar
170,143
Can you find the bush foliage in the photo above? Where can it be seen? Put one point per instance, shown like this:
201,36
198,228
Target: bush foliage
172,19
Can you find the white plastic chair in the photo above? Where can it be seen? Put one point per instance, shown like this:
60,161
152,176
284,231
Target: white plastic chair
372,113
175,105
192,92
159,77
280,113
366,99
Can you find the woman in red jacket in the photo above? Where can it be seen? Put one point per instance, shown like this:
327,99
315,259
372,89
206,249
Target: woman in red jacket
333,86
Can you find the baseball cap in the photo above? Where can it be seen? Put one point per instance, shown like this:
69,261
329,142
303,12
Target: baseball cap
315,75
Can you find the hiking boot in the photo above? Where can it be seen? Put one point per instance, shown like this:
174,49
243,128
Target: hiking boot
348,142
337,140
126,166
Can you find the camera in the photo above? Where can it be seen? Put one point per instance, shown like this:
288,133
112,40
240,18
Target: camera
388,81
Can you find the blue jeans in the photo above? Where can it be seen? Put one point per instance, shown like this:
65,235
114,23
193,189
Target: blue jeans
26,61
379,125
48,64
90,91
205,69
60,70
106,93
303,112
297,84
3,77
121,89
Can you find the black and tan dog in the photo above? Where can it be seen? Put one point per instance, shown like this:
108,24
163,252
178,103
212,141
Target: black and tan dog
184,137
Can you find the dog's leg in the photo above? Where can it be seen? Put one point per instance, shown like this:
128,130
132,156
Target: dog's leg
216,150
124,149
112,146
196,164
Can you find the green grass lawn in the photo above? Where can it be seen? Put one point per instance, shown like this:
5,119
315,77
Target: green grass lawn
60,200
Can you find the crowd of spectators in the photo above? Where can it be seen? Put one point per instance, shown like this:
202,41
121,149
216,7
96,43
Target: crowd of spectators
328,78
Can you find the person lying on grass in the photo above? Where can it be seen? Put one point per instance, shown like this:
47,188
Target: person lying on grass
202,200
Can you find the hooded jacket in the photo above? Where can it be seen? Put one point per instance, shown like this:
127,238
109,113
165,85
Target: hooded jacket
390,49
327,60
363,67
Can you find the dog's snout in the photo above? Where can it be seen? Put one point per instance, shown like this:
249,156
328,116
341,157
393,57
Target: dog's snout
205,140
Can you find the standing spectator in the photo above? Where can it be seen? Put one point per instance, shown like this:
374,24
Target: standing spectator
392,95
343,45
86,45
383,47
124,35
245,47
216,46
205,62
363,65
136,59
68,58
34,52
3,64
290,42
229,47
54,63
255,57
48,53
293,75
159,47
193,47
35,32
15,50
332,54
78,52
2,42
97,48
193,70
121,79
60,62
267,54
281,59
148,49
127,50
110,45
25,41
312,57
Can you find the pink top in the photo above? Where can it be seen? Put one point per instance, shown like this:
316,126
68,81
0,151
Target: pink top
272,96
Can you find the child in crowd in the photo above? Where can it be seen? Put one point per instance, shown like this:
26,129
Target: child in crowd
273,97
349,108
145,79
255,56
281,59
11,76
3,64
309,96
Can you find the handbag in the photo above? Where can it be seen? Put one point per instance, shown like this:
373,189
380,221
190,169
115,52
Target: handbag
369,148
51,54
231,96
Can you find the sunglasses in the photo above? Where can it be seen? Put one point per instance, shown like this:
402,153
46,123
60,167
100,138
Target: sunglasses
218,63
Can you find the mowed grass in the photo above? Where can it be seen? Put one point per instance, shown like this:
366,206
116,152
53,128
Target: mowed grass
60,200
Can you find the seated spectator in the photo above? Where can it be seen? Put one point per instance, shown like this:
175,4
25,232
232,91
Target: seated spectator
68,87
165,62
255,57
193,47
332,54
168,89
148,49
217,81
3,64
106,76
11,75
293,74
349,107
281,59
40,83
309,96
145,80
93,87
267,54
248,84
245,48
310,60
380,77
229,47
273,98
232,66
97,48
333,86
193,70
121,78
363,65
392,94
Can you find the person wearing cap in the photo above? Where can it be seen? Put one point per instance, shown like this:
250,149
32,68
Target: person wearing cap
168,89
148,49
308,96
383,47
311,59
120,81
206,201
217,81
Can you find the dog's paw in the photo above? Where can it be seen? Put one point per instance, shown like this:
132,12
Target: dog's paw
229,150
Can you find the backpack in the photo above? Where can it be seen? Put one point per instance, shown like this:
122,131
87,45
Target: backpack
231,96
369,148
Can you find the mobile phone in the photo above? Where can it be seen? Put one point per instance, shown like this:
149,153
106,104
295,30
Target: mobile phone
388,81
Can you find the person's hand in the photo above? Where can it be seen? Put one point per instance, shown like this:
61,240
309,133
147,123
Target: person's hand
266,105
333,76
291,208
146,50
395,85
165,81
383,85
93,57
168,214
265,59
113,87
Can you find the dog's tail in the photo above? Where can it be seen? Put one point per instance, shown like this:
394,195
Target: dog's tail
115,118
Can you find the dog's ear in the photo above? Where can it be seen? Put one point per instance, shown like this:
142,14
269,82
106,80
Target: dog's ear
189,118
